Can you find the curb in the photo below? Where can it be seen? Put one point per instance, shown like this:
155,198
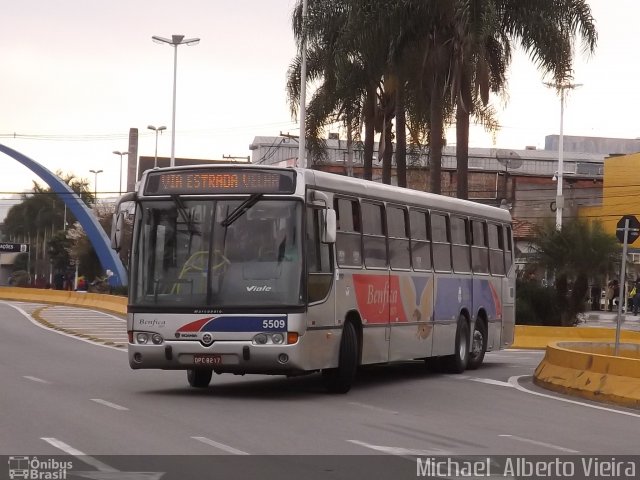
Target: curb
109,303
583,369
537,338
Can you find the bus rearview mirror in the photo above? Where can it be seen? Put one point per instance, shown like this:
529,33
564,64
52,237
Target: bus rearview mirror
329,226
117,223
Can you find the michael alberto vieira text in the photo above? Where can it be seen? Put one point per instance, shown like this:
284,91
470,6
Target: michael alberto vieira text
519,467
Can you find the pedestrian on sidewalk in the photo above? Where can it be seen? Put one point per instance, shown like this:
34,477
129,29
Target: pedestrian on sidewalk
635,294
613,292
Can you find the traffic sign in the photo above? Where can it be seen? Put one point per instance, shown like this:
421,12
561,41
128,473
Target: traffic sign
633,229
14,247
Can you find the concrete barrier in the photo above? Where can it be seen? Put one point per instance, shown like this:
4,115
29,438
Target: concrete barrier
590,370
535,337
109,303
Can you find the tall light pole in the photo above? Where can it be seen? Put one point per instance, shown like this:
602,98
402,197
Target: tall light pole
122,154
561,88
302,147
174,42
95,188
159,129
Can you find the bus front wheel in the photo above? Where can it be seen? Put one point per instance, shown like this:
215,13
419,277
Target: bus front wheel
199,378
339,380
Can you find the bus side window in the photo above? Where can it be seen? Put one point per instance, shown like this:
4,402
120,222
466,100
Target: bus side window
348,241
508,250
460,245
399,254
420,241
441,243
479,251
496,253
374,241
318,258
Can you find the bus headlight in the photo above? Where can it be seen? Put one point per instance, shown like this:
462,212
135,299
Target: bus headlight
275,338
260,339
156,339
142,338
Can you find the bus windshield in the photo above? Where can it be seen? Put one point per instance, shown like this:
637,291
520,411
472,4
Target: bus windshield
218,253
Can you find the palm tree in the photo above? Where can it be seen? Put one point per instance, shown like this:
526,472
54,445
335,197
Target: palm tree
348,73
484,32
356,51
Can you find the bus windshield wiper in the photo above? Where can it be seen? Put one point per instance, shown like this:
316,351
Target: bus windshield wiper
241,209
183,211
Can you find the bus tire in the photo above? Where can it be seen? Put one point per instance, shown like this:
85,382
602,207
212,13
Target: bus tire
339,380
199,377
457,363
478,345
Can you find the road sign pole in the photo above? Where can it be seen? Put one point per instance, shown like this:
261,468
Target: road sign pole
622,284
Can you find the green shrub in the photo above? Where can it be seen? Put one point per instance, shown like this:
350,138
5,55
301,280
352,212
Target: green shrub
537,305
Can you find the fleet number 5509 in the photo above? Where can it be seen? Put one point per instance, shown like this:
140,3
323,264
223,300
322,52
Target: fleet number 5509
273,324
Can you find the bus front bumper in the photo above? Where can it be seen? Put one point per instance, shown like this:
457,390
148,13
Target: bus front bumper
222,357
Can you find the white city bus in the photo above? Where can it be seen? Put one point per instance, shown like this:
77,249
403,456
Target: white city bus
255,269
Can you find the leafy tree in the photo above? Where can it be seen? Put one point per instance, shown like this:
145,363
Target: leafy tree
580,251
39,219
42,210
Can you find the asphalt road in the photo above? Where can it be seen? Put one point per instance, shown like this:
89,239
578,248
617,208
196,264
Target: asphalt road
63,395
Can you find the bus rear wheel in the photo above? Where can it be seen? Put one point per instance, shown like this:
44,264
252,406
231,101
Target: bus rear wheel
478,345
457,363
199,377
339,380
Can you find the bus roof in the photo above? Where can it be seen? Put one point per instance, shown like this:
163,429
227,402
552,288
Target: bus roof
336,183
398,195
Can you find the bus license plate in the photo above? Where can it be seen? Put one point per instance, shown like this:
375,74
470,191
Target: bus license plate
207,359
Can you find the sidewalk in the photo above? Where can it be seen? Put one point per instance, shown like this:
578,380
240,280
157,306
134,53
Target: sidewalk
606,319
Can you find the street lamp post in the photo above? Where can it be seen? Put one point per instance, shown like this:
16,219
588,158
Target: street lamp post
302,147
122,154
174,42
159,129
561,87
95,187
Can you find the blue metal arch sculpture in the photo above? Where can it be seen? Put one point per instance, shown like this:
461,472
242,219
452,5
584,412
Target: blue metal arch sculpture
97,236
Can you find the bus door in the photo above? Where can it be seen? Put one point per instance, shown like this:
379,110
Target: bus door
320,274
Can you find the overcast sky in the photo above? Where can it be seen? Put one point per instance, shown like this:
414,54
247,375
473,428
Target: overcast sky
77,74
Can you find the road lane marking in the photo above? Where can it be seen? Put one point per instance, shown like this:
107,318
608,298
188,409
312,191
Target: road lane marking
514,381
105,472
221,446
109,404
36,379
399,450
541,444
373,407
75,337
68,449
491,381
488,381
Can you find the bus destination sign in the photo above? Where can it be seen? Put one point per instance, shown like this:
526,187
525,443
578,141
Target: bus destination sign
214,181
